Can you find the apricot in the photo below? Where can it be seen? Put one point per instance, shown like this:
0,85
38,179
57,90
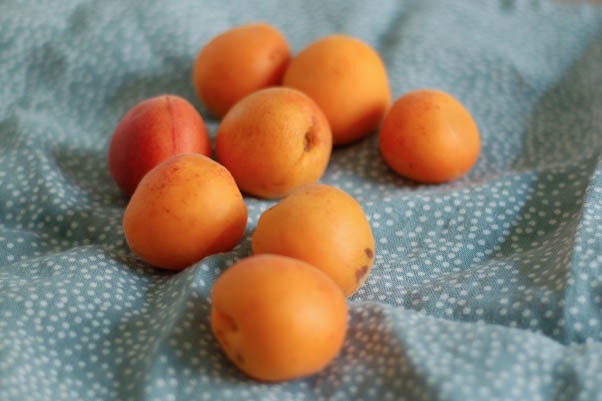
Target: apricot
323,226
278,318
152,131
184,209
429,137
238,62
347,79
273,141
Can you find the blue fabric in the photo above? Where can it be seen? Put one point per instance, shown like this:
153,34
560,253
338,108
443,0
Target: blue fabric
487,288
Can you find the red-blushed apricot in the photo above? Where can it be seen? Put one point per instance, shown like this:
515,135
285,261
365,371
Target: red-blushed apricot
428,136
347,79
184,209
278,318
273,141
323,226
152,131
238,62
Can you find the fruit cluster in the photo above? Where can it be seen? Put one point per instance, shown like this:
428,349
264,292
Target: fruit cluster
281,313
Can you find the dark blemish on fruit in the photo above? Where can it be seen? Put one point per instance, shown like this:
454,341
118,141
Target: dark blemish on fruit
228,323
239,358
222,338
369,253
360,273
232,325
308,141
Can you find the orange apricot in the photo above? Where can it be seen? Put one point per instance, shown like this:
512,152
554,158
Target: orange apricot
323,226
273,141
428,136
347,79
238,62
184,209
152,131
278,318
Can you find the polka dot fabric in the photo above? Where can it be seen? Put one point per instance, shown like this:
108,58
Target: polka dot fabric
486,288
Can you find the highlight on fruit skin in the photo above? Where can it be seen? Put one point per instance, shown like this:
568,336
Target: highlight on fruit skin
274,141
323,226
186,208
277,318
238,62
150,132
347,79
429,137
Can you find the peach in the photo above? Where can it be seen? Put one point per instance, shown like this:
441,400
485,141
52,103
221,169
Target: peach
184,209
152,131
347,79
428,136
323,226
273,141
278,318
238,62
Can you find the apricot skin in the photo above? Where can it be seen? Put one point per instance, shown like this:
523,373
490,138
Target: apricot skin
278,318
273,141
184,209
323,226
152,131
347,79
238,62
429,137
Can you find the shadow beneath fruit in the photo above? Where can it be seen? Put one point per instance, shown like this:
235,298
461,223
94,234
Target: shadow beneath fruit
370,340
359,169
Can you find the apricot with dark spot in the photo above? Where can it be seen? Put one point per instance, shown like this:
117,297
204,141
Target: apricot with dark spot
278,318
323,226
274,141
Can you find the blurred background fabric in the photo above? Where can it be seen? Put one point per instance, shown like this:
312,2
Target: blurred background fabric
486,288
